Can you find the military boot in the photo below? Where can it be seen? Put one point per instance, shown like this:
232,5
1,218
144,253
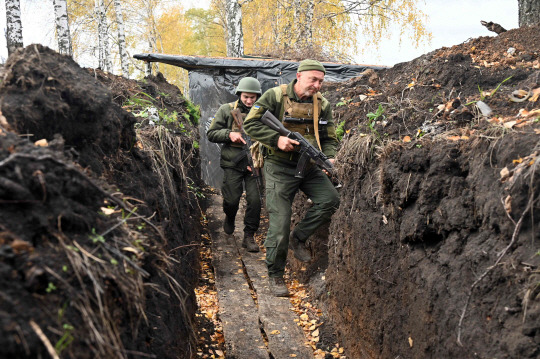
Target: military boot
278,287
228,225
301,252
249,242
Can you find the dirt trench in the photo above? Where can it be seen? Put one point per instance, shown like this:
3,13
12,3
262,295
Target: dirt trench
434,251
99,219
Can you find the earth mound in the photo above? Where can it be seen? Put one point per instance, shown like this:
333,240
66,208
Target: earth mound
434,251
99,215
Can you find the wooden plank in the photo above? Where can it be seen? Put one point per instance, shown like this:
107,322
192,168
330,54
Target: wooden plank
285,338
238,312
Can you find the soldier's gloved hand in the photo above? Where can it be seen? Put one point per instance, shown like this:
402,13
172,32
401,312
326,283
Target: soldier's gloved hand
286,144
236,137
331,160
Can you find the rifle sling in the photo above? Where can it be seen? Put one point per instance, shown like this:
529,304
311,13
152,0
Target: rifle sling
316,119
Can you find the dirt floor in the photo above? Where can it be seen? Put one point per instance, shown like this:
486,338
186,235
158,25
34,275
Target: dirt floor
434,251
99,217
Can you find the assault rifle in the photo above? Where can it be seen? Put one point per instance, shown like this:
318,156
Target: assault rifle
306,149
246,151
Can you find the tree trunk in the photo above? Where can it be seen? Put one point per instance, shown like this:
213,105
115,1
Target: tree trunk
529,12
124,59
235,35
14,38
62,27
103,37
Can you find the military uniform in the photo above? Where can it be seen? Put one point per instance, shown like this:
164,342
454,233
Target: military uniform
280,167
235,175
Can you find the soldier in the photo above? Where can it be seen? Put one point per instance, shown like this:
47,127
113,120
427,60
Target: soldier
234,162
301,108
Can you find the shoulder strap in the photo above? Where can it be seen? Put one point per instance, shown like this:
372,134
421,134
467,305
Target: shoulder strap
281,93
316,100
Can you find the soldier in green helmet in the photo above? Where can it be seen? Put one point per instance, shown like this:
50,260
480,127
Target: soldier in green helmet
237,173
301,108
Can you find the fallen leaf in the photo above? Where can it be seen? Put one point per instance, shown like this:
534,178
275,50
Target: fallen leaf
453,138
535,94
107,211
41,143
274,332
505,173
315,333
509,124
304,317
508,204
20,246
519,160
410,342
407,139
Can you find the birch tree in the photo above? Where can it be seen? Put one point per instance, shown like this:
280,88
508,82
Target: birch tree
14,38
104,60
124,59
328,29
62,27
235,35
528,12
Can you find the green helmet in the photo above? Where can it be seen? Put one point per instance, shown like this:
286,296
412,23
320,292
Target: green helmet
248,84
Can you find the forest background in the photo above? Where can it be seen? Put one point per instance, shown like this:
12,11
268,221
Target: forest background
381,32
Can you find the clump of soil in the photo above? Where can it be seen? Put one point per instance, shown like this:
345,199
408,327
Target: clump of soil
434,249
99,228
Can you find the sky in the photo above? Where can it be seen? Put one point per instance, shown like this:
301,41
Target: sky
450,22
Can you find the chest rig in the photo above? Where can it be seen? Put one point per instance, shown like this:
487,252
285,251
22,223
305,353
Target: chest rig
302,117
234,127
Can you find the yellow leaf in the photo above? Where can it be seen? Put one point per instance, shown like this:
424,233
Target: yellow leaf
292,355
519,160
536,94
315,333
304,317
274,332
407,139
410,342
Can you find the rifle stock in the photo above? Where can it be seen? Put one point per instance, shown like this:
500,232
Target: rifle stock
306,150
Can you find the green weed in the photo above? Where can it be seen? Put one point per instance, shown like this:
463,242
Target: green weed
340,130
194,112
343,102
96,237
51,287
65,340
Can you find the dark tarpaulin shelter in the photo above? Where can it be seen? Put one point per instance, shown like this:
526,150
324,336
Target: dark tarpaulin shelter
212,82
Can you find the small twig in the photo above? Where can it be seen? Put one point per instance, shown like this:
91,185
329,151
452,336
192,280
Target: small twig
44,339
185,245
